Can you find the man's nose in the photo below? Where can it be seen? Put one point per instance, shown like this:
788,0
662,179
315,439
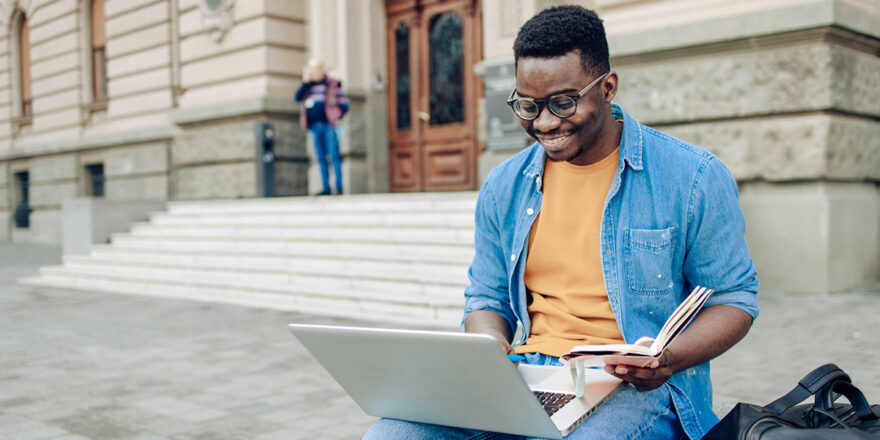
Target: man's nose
546,121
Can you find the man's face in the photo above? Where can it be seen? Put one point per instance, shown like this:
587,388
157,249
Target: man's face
571,139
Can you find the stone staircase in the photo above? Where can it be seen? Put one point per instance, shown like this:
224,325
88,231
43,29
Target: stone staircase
391,258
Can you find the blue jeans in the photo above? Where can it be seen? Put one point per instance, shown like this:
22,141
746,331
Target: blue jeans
324,137
627,415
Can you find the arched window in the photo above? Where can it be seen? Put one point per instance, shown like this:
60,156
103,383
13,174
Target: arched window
99,58
24,50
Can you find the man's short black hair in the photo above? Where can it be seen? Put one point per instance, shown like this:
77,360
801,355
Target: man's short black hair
559,30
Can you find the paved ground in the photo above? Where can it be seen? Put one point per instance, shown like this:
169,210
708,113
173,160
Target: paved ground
82,365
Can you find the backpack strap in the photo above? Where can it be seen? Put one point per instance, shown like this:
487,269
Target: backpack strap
826,396
811,384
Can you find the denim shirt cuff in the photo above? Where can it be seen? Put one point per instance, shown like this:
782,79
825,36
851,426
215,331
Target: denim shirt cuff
746,301
474,304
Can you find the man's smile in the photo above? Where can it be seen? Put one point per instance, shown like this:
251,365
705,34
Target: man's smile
554,141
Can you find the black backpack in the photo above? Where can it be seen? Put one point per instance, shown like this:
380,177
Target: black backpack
784,419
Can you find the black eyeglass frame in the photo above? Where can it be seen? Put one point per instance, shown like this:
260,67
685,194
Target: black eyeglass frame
541,103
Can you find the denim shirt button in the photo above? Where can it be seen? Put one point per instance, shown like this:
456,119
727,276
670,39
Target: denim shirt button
530,211
513,257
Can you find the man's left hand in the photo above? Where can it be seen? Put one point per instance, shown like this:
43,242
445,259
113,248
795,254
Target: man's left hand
645,378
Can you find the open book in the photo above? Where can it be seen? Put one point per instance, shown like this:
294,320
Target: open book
645,349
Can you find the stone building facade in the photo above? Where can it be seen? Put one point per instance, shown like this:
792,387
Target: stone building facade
186,81
785,92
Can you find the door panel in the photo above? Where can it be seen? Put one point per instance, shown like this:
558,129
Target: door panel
433,46
445,79
447,166
403,126
406,167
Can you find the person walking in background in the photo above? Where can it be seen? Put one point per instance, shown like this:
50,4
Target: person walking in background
323,105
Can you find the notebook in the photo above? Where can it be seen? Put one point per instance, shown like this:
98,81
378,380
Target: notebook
455,379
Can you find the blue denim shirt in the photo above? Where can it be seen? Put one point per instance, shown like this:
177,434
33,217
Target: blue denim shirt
670,221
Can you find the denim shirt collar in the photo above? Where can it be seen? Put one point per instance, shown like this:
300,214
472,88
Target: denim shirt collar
536,167
631,144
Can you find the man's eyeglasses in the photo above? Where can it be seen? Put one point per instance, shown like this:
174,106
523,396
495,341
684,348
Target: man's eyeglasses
562,105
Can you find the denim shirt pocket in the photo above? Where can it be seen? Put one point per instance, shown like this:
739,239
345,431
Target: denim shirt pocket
648,259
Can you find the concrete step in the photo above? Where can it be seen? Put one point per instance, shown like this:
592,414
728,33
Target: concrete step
417,313
460,219
390,291
393,258
437,235
153,248
243,266
410,202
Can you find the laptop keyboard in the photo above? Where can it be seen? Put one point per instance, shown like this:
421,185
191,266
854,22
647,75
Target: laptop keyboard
552,401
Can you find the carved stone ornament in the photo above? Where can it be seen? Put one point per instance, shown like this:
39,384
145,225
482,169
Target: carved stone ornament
9,13
218,16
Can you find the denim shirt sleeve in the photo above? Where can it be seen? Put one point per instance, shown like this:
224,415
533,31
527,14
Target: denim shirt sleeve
717,252
488,275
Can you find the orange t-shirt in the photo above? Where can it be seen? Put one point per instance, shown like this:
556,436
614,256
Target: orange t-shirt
568,303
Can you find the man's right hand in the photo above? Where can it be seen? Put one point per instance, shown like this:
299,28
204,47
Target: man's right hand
492,324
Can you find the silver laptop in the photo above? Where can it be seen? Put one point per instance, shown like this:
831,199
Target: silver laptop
454,379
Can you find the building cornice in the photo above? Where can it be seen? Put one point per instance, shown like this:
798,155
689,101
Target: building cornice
234,109
812,14
140,136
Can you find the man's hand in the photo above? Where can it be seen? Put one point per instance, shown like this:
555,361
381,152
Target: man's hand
645,378
713,331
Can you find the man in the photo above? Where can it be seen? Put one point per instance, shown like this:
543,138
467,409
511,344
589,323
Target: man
323,104
596,233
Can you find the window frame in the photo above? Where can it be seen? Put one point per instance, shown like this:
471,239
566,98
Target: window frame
98,49
21,199
93,101
18,70
96,180
24,66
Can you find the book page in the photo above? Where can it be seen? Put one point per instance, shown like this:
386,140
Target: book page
645,346
682,316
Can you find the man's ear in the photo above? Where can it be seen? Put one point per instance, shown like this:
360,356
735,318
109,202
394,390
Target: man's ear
609,86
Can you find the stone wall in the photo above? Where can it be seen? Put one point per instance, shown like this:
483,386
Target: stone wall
247,49
813,236
132,173
216,155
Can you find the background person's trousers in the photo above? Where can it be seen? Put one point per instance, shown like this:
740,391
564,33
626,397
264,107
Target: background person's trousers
326,144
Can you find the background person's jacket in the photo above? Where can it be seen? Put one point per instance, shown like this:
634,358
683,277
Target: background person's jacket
322,101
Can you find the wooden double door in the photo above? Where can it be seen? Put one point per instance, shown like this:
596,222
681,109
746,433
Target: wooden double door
432,48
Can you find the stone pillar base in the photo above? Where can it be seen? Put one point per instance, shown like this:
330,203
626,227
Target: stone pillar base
5,227
86,220
44,228
813,237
